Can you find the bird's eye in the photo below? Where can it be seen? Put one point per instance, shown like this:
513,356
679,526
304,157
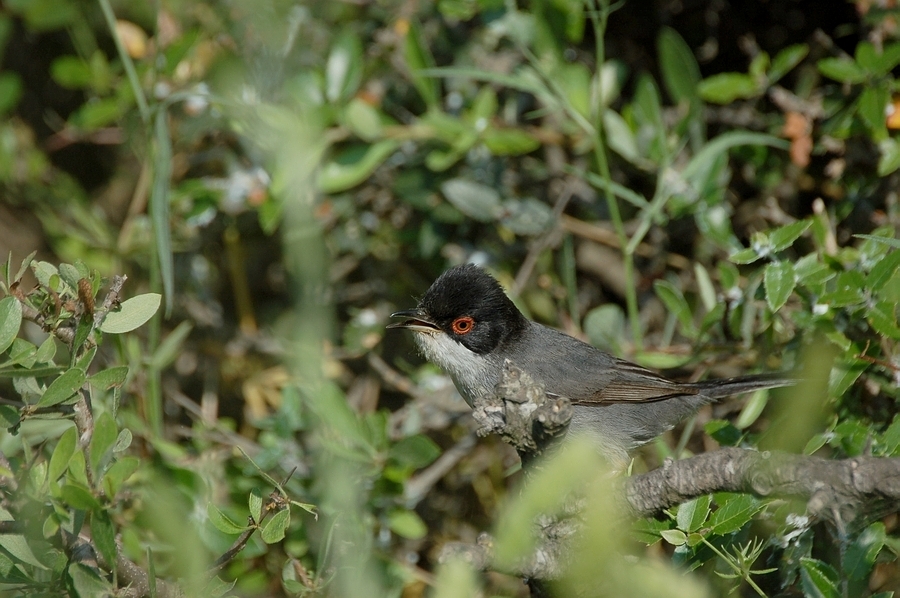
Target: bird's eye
462,325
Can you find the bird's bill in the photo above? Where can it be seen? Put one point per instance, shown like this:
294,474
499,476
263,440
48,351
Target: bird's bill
416,320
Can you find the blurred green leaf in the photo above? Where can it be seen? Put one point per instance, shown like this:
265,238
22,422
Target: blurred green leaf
786,60
132,313
18,547
343,70
526,216
723,432
605,326
680,71
744,256
415,451
170,347
889,161
509,142
10,91
724,88
79,497
473,199
407,524
71,72
354,166
842,69
363,119
418,59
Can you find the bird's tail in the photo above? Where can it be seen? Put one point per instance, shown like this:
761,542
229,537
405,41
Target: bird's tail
726,387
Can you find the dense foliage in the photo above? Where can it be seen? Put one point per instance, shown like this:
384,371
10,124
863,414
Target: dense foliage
706,189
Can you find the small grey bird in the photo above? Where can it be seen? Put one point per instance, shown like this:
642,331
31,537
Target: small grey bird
467,325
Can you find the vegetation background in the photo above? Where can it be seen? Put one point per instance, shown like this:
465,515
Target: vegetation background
703,187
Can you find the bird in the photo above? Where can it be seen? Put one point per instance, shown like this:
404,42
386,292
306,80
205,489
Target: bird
467,325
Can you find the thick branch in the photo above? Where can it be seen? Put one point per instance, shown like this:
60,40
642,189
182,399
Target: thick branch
844,492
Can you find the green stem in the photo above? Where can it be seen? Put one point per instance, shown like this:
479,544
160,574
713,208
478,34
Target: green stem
127,63
599,13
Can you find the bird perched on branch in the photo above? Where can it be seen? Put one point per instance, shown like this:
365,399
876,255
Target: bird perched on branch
467,325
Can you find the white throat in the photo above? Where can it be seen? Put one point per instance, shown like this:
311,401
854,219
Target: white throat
473,374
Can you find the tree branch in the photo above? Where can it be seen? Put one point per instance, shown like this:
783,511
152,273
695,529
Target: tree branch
845,493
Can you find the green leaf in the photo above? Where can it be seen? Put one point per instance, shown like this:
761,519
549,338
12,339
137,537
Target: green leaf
871,108
18,547
604,326
752,409
680,71
783,237
779,281
86,581
719,145
71,72
889,161
841,69
886,240
118,473
363,119
47,351
97,114
527,216
786,60
509,142
620,137
10,91
744,256
110,377
354,166
62,388
343,70
10,321
132,313
723,432
103,439
170,347
675,302
883,318
407,524
418,58
415,451
649,530
79,497
159,203
473,199
223,522
103,535
256,504
62,454
819,580
725,88
692,514
735,511
274,527
675,537
861,554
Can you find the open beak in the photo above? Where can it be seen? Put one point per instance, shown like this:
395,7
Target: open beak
416,320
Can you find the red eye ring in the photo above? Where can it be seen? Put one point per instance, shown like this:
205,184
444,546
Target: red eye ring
463,325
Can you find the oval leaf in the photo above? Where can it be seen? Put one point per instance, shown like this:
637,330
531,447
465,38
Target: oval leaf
779,281
473,199
62,388
10,321
274,527
223,522
132,313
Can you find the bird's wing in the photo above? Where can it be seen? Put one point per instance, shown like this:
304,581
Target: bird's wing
636,384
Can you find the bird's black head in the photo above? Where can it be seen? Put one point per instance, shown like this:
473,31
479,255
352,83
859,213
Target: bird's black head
469,305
